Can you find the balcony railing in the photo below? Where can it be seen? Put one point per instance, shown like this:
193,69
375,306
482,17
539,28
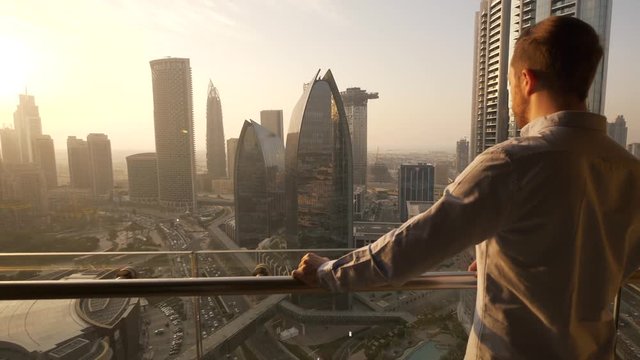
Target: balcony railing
225,311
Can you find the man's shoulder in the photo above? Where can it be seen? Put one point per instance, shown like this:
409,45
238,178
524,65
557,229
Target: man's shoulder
520,147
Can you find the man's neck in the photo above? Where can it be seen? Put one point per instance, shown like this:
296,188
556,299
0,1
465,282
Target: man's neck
547,104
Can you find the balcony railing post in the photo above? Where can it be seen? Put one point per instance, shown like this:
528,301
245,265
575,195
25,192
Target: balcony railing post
616,313
196,305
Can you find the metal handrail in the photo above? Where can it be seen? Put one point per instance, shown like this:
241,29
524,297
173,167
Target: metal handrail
244,285
173,252
240,285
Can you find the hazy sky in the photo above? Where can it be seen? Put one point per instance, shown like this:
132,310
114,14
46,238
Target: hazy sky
87,63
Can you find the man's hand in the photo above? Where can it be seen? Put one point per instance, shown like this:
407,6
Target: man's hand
473,267
307,270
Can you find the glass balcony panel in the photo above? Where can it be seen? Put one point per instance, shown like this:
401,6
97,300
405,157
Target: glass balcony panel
414,324
629,323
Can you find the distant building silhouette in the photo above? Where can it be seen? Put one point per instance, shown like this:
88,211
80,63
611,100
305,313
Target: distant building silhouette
232,146
617,130
355,106
259,186
45,157
442,172
101,165
319,186
24,186
462,155
143,178
28,126
272,120
634,149
10,146
415,183
173,120
79,167
380,173
216,159
442,178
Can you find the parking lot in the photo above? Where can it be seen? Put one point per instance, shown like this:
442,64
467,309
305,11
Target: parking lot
169,332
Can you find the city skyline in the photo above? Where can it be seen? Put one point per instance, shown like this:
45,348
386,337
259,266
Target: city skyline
441,109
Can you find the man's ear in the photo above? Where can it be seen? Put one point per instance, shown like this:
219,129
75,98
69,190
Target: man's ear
529,82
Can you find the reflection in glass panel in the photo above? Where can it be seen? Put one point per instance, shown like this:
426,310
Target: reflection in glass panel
383,325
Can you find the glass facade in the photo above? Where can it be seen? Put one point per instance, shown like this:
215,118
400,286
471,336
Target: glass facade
259,185
415,183
319,169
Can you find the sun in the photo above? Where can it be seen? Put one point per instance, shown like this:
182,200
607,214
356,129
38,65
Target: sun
16,66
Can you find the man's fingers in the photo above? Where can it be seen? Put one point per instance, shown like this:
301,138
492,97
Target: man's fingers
306,271
473,266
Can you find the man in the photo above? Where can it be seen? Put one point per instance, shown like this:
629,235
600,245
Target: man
554,215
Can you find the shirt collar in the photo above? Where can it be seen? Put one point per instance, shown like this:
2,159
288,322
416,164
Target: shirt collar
574,119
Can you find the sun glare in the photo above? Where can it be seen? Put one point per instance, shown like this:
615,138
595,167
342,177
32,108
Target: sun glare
16,66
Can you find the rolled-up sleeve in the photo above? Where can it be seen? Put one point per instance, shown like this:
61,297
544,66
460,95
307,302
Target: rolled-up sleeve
472,209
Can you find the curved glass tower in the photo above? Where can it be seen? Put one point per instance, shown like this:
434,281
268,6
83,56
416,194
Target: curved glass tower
216,159
259,185
319,174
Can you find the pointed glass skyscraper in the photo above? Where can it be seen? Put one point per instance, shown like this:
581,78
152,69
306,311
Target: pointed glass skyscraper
259,185
319,173
216,158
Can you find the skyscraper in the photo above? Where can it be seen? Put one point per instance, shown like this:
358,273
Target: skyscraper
143,178
490,105
272,120
259,186
597,13
216,161
319,182
462,155
173,120
10,146
617,130
355,106
101,165
45,158
28,126
79,167
232,146
415,183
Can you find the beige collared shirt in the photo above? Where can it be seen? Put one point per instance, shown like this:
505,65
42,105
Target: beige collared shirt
555,217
